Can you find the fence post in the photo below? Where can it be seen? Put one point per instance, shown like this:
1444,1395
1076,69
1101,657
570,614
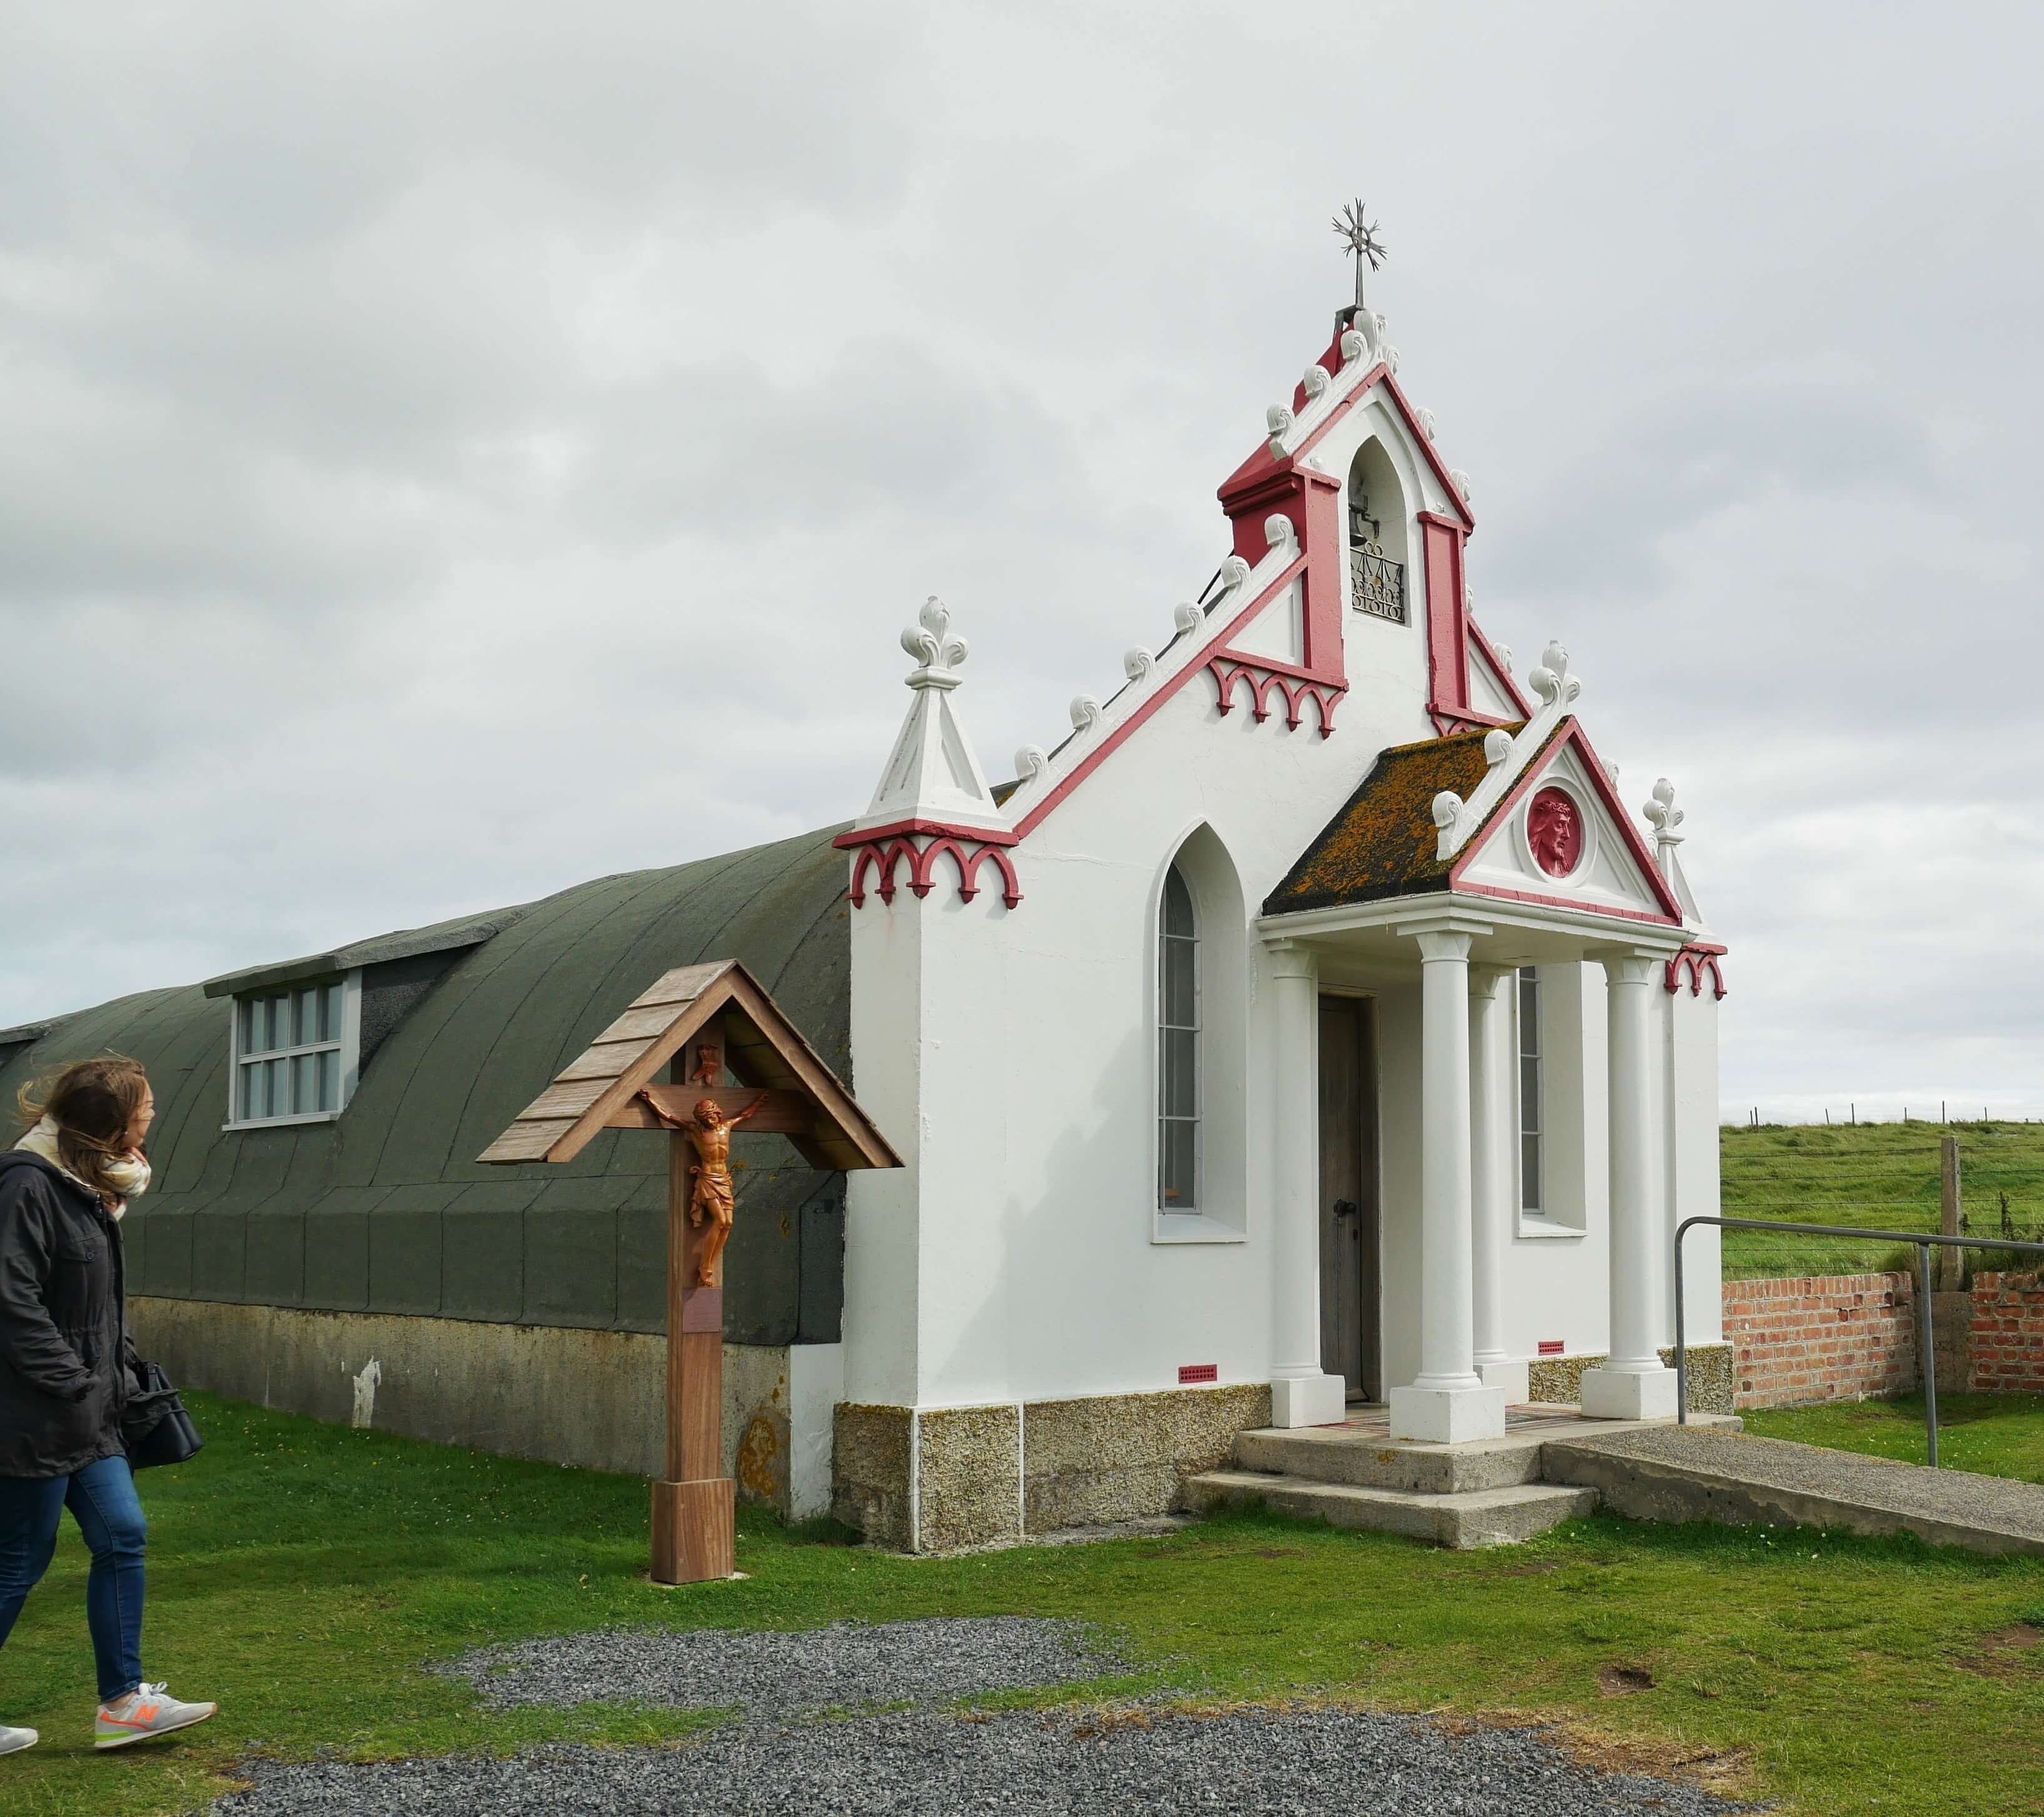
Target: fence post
1951,1263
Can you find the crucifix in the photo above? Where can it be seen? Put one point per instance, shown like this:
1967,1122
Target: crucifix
701,1025
1361,239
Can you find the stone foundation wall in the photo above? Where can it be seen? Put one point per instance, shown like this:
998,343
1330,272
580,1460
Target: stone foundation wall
2007,1333
1822,1338
1559,1379
594,1399
940,1479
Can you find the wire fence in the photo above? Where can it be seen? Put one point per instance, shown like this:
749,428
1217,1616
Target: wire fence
1884,1176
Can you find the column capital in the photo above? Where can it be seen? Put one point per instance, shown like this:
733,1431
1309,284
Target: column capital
1628,964
1485,979
1291,958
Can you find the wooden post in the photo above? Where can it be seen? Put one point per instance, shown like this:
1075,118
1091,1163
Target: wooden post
1951,1263
693,1508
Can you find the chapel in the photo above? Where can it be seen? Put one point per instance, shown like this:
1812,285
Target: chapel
1312,1026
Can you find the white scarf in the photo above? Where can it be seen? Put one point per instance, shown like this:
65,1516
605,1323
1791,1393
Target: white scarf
129,1174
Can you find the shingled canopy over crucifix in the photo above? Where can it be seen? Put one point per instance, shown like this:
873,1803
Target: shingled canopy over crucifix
703,1053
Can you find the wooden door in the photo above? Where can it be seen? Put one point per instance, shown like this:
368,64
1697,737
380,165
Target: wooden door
1349,1218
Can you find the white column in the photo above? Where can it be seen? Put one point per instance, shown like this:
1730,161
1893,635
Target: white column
1635,1384
1446,1401
1493,1135
1301,1392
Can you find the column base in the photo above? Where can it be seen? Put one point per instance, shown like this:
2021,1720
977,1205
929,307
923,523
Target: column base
1512,1377
1447,1416
1629,1394
1308,1400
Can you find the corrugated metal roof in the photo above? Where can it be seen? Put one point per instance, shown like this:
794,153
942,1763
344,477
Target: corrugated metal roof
387,1209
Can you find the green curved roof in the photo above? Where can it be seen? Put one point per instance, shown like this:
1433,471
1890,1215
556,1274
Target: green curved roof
387,1209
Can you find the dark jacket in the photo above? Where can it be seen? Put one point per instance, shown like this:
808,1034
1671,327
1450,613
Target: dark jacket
63,1322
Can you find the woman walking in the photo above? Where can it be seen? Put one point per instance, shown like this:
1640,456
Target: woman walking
63,1376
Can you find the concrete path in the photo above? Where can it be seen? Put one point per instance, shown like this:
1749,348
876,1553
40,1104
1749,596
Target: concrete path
1677,1473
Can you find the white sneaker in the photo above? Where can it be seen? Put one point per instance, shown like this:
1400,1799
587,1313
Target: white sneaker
12,1741
150,1710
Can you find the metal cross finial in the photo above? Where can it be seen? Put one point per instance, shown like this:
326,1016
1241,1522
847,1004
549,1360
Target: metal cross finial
1361,239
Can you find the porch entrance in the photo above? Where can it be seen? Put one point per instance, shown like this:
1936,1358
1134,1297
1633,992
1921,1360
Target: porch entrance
1351,1269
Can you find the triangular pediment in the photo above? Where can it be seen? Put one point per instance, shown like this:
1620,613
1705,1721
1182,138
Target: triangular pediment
1560,836
691,1008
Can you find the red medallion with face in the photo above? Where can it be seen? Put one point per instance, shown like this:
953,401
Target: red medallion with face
1555,831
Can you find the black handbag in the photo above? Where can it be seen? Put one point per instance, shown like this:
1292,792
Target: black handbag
154,1426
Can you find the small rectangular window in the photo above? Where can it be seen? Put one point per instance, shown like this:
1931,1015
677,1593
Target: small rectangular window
286,1055
1530,1195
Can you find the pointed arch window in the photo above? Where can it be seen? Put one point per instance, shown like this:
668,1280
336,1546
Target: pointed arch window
1178,1048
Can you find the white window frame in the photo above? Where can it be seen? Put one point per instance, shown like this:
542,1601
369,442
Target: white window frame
348,1047
1196,1028
1532,1196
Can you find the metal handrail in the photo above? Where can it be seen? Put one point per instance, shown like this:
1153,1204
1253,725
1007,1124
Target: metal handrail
1928,1362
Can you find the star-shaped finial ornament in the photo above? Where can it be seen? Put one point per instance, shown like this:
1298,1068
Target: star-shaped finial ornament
1360,237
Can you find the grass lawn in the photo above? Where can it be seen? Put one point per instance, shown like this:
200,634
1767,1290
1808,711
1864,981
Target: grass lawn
1999,1435
1881,1175
303,1572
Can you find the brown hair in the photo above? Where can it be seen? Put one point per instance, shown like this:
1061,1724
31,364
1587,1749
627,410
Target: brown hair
94,1103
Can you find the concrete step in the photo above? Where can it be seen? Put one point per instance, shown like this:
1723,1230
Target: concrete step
1340,1454
1462,1520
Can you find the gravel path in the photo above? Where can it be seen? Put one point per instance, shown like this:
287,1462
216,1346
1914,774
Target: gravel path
1027,1764
847,1666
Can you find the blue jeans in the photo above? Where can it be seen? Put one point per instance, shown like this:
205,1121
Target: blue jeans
102,1501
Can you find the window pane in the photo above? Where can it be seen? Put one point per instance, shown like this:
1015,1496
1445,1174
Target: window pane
1529,1171
1529,1013
252,1093
1175,1190
305,1022
244,1012
330,1013
305,1084
1181,1000
1177,904
1529,1094
1181,1078
329,1081
277,1023
279,1087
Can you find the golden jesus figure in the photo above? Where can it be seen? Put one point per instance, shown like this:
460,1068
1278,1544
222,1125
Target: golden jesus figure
712,1198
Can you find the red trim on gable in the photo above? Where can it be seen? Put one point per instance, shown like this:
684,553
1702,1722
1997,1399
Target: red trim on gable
895,828
1263,465
1581,907
1571,732
1035,817
1697,957
1447,618
1497,668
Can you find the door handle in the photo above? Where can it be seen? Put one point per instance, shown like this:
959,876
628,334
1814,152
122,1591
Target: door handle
1345,1208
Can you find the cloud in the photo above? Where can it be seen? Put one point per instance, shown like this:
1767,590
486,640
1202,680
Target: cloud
418,405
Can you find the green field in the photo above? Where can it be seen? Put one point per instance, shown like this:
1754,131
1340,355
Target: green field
1881,1175
304,1574
1995,1434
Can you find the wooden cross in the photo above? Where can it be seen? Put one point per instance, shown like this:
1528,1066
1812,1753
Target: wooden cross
699,1022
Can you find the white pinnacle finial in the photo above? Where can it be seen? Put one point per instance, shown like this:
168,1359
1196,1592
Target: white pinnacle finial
1552,681
932,774
1666,817
937,653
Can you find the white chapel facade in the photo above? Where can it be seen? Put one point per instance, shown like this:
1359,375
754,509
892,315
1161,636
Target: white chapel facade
1315,1024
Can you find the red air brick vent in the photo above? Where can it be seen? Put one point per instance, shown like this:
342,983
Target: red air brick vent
1550,1346
1198,1373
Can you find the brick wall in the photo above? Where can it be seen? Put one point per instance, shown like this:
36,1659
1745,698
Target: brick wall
2007,1332
1825,1338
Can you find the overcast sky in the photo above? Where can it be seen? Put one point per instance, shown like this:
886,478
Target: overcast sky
452,451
